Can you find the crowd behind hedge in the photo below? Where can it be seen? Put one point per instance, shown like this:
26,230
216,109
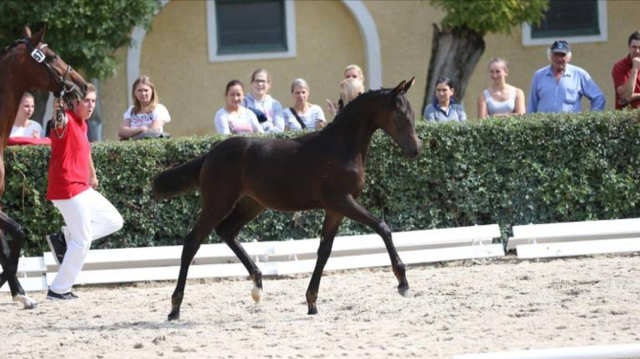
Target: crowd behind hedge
510,171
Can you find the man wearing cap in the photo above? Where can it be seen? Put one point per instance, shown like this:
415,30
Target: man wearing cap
626,75
559,87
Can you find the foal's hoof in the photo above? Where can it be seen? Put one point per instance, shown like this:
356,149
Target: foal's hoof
27,302
174,315
404,291
256,294
313,310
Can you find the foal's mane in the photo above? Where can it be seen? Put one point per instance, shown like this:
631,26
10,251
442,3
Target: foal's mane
351,109
11,46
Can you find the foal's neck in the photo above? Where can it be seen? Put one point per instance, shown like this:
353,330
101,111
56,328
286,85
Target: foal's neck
352,131
12,86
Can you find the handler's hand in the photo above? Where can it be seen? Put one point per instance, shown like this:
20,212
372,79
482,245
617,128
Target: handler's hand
93,182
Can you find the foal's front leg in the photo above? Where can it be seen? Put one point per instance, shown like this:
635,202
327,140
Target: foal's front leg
349,207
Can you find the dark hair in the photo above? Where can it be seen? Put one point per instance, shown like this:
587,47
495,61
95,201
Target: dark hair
444,80
233,83
634,36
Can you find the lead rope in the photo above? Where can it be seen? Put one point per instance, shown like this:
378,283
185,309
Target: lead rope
59,120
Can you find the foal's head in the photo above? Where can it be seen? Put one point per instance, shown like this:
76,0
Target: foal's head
396,118
48,71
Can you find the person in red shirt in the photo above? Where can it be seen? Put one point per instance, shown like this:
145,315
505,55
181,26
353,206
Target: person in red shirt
626,76
72,190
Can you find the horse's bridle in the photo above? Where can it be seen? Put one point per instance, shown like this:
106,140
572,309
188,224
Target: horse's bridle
39,57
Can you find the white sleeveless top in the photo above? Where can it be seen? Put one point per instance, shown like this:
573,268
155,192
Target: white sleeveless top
498,108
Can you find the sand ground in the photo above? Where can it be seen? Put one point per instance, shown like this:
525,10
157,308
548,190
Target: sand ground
454,308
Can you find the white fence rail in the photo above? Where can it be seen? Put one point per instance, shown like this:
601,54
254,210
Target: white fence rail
274,258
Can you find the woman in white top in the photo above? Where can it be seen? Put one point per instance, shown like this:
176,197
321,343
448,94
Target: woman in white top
267,109
303,115
500,99
233,118
23,126
147,115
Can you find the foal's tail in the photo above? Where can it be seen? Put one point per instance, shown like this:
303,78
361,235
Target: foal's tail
178,180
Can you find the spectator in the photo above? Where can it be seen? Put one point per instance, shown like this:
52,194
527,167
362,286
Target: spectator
267,109
147,116
23,125
560,86
500,99
349,90
444,106
354,72
72,189
233,118
350,72
303,115
626,75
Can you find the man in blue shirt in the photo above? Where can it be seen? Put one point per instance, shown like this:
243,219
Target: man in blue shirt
560,86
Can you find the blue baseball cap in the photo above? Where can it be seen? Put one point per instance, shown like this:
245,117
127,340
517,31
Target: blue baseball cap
560,46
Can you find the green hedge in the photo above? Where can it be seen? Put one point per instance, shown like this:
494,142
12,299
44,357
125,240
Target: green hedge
530,169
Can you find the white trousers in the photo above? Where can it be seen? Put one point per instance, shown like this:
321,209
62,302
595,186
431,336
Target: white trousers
88,216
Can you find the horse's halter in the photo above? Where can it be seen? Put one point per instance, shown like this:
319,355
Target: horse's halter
64,89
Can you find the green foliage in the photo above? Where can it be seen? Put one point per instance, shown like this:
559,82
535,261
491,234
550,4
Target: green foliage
530,169
490,16
85,33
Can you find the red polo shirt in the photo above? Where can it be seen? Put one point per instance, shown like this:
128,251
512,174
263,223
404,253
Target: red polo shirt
70,156
620,73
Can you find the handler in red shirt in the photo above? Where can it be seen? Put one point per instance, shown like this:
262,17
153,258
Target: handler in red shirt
72,183
626,77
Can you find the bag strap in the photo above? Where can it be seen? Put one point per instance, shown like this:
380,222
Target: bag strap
295,114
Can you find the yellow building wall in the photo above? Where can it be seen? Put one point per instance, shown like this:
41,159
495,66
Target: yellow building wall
175,55
405,30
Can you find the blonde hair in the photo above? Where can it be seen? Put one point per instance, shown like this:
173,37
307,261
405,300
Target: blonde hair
350,89
356,68
137,106
27,95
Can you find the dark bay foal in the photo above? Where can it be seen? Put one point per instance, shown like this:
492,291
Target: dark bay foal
240,177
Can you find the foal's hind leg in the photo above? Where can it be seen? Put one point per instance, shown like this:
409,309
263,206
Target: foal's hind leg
246,210
330,226
349,207
207,221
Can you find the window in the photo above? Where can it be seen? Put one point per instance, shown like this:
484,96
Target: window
564,20
250,29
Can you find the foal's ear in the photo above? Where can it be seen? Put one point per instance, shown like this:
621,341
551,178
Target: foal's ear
26,32
39,36
409,84
396,91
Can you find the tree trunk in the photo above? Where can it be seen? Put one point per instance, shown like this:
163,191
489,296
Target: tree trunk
454,54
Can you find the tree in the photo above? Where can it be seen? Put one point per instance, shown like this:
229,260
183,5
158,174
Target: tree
85,33
458,46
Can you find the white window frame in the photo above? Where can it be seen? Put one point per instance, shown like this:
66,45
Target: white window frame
602,21
212,34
